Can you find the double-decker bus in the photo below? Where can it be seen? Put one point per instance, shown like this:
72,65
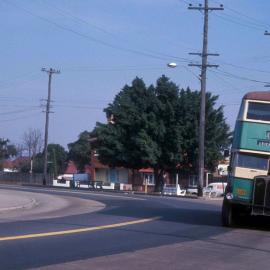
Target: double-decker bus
249,158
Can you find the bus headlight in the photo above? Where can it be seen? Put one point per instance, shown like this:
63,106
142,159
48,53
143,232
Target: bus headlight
229,196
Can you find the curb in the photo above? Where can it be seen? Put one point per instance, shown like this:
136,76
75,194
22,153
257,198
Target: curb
28,205
156,194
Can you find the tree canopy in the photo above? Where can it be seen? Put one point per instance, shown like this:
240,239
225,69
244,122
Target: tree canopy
32,142
217,131
57,155
157,126
7,150
80,150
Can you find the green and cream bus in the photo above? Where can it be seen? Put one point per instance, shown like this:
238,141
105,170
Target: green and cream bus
249,159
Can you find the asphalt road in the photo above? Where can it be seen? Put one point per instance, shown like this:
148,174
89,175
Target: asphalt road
130,232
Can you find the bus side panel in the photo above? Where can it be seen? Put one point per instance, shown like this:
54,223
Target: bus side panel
242,189
252,136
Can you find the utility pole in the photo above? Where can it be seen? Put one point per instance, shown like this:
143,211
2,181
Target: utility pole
266,33
204,65
50,72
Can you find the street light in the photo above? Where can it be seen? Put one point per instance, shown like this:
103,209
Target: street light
201,134
172,65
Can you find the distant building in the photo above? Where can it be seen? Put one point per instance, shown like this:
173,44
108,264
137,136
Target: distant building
14,165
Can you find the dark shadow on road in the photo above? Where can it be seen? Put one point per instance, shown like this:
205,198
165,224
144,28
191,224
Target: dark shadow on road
258,223
181,211
181,215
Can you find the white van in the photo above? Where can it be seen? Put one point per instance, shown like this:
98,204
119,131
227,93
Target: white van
214,189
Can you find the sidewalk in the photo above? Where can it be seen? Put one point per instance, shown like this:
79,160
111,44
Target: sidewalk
13,200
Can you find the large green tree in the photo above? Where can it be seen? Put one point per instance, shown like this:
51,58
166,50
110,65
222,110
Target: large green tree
57,156
144,128
126,140
217,131
157,126
80,150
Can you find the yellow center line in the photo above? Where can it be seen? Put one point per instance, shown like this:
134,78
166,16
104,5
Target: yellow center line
88,229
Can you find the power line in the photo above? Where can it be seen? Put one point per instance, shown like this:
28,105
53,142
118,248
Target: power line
91,68
80,107
90,38
18,111
30,74
234,21
243,67
7,84
190,71
247,17
18,118
233,87
252,19
230,75
78,19
242,19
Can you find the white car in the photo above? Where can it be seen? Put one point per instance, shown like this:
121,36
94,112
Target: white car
214,189
173,190
192,190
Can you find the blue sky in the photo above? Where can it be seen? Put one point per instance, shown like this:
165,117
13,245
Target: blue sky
100,46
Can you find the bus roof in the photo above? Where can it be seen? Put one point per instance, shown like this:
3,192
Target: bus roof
260,95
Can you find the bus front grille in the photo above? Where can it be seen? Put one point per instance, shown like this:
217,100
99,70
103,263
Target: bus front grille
261,196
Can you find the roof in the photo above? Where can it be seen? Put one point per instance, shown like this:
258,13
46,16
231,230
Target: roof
71,168
8,164
146,170
15,163
260,95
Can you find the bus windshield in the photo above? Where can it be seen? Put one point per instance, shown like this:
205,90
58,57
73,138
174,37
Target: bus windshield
258,111
258,162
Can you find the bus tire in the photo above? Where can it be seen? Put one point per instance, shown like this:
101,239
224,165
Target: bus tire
228,215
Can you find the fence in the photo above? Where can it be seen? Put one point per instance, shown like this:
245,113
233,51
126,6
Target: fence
24,178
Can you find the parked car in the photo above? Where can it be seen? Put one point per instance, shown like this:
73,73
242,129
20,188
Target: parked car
173,190
192,190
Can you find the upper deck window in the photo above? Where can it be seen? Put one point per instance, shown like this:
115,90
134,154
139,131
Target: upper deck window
251,161
258,111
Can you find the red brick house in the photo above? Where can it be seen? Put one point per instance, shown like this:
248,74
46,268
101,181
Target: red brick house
119,175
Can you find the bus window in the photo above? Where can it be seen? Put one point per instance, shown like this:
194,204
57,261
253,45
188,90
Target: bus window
251,161
258,111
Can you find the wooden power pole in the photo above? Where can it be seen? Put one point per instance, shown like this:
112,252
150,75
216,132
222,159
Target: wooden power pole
204,65
50,72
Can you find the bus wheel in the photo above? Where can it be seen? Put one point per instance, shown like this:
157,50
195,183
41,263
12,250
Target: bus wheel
228,217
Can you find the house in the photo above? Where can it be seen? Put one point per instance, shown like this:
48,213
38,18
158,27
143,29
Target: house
15,164
121,178
106,174
8,165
